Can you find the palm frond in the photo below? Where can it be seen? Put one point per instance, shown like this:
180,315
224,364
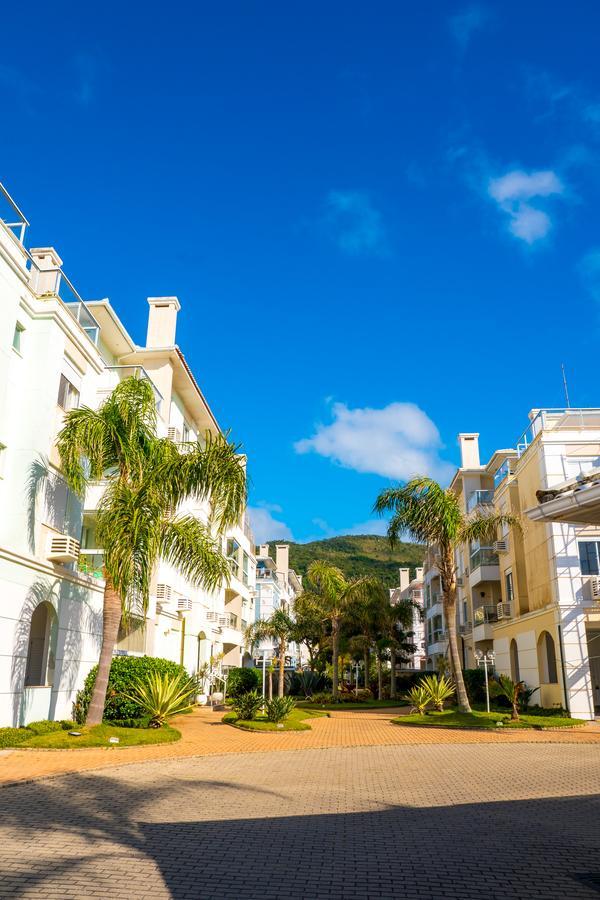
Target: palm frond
421,509
484,526
190,547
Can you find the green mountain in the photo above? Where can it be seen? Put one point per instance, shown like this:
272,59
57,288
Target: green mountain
358,554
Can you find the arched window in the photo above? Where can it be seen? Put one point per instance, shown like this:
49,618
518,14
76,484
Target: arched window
39,671
546,653
515,672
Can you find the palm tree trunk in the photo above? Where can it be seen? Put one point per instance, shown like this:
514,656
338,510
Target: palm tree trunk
281,685
379,679
270,685
111,618
393,674
449,596
367,685
335,641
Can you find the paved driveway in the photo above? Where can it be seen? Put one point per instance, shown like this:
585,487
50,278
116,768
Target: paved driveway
405,821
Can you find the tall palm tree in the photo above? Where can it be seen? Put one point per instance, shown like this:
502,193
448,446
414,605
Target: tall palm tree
146,478
432,515
337,596
280,627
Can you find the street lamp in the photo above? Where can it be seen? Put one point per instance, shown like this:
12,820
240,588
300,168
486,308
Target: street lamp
486,659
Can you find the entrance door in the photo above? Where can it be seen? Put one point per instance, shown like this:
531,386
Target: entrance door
594,657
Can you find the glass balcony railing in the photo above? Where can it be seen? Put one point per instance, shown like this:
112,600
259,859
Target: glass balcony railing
506,469
485,556
479,498
115,374
484,614
91,563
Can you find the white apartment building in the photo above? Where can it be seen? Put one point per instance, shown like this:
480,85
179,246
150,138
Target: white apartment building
412,589
277,587
57,352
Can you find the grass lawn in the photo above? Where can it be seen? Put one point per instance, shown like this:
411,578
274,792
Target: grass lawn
98,735
367,704
294,722
451,718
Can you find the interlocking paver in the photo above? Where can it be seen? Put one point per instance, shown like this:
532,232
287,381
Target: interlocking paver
494,820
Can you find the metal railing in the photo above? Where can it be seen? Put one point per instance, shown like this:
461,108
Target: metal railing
264,573
558,419
123,372
9,211
485,614
439,634
479,498
485,556
465,628
91,562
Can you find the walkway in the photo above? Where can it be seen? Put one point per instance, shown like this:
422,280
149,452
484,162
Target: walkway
477,820
203,734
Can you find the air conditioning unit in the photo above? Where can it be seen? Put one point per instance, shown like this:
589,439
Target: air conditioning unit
503,611
459,581
174,434
184,604
211,616
223,620
163,592
595,588
500,546
62,548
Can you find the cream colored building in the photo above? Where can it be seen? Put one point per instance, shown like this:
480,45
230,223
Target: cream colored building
277,586
531,596
57,352
412,589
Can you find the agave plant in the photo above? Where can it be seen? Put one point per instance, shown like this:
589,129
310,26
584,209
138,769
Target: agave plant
279,708
163,696
419,699
438,689
247,705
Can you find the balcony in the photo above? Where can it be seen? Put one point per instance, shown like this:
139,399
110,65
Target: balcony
465,629
479,498
507,468
484,566
265,573
91,562
484,618
113,375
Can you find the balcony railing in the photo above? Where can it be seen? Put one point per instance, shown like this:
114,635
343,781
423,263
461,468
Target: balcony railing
11,215
485,556
479,498
439,634
484,614
117,374
265,573
91,563
465,628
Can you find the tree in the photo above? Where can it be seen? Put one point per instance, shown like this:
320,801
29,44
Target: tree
146,479
431,514
308,626
395,624
279,626
336,597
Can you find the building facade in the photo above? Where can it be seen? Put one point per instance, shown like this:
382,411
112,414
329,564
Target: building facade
412,589
57,352
277,587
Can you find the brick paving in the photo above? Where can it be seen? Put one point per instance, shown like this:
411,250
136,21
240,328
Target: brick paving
203,734
400,820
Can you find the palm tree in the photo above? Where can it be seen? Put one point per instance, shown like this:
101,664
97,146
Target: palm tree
395,624
336,597
432,515
308,625
146,478
280,627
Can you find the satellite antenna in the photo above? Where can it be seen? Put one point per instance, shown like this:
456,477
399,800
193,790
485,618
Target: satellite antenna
562,365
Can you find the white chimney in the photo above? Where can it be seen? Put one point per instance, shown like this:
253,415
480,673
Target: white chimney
469,451
263,551
162,321
282,558
419,575
404,578
45,275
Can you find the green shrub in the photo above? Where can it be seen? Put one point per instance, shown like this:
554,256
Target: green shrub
474,680
125,673
247,705
438,688
44,727
419,699
279,708
9,737
325,697
305,683
144,722
241,681
362,695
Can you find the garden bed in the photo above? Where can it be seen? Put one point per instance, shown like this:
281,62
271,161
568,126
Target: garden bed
94,736
353,705
294,722
478,720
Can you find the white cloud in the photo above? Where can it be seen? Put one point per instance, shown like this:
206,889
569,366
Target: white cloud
465,23
354,224
396,442
512,192
266,527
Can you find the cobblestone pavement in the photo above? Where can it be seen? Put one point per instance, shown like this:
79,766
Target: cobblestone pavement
203,734
398,821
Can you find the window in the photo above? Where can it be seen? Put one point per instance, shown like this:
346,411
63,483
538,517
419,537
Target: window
589,557
39,669
68,395
508,583
546,653
186,433
19,329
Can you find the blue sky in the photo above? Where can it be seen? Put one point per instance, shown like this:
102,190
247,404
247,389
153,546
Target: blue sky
381,219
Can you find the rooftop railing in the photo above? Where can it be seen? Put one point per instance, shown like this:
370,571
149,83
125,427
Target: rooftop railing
560,419
12,217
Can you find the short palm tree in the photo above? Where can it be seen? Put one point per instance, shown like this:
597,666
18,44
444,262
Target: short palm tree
432,515
280,627
395,626
146,478
337,596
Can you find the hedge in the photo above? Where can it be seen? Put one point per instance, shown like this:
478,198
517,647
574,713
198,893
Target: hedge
242,681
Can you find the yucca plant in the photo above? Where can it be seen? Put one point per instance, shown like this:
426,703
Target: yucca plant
438,688
419,699
247,705
163,696
279,708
